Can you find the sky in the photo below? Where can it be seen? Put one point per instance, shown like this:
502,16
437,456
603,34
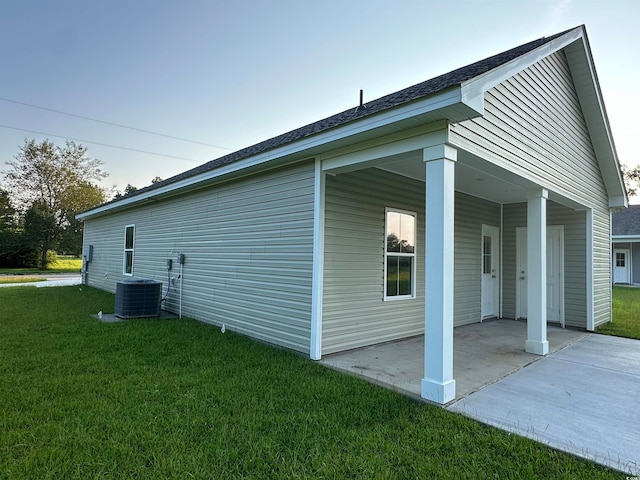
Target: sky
228,74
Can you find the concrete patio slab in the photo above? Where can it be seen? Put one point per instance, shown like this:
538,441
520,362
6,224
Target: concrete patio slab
483,353
583,399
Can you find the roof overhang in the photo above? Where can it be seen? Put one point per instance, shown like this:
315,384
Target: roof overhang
448,104
457,103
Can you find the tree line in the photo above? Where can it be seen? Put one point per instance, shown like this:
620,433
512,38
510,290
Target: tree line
42,190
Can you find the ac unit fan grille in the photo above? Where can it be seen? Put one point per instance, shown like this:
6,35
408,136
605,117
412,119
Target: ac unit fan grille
138,298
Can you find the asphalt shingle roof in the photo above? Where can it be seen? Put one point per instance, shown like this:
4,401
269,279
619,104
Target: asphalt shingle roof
626,221
407,95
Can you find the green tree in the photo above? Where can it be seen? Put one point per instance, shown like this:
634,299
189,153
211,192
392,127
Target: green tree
39,229
49,184
15,251
631,179
127,190
81,197
7,212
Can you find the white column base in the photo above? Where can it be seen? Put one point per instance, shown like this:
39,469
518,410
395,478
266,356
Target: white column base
536,347
438,392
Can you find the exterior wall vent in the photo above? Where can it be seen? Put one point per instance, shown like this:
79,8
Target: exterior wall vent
138,298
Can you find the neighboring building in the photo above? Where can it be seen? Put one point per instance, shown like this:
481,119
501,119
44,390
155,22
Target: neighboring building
485,192
625,240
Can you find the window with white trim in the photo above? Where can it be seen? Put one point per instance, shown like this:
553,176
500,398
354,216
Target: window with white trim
400,255
129,238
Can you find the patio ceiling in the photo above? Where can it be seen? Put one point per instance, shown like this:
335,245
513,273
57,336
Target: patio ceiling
474,176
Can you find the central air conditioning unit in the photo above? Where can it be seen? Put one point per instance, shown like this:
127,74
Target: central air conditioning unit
138,298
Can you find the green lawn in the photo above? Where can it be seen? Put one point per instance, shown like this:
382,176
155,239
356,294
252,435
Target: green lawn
179,399
63,264
20,279
626,313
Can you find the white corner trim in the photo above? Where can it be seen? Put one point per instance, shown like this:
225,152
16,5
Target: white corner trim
590,296
315,350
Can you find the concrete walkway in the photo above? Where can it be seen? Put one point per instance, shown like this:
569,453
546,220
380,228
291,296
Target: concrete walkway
59,280
583,399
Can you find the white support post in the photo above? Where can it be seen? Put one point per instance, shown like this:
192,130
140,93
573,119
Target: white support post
537,267
589,264
438,384
315,348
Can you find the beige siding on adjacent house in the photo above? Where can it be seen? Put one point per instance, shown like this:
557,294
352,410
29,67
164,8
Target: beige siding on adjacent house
533,125
248,246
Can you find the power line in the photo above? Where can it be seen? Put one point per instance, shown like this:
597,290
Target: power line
113,124
98,143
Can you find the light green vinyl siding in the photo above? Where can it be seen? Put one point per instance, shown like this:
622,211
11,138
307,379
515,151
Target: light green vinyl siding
533,125
354,313
575,254
513,215
470,214
248,246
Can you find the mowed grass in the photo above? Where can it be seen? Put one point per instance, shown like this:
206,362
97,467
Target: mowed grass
626,313
66,264
179,399
20,279
63,264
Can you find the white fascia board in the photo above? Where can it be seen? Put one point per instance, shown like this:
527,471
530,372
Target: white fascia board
473,90
618,202
625,238
432,103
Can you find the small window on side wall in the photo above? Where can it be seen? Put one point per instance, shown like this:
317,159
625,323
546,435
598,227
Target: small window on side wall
129,238
400,255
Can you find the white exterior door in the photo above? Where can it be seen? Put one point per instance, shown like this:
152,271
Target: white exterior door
490,271
621,267
555,273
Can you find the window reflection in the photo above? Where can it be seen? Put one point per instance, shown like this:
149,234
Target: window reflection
400,254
